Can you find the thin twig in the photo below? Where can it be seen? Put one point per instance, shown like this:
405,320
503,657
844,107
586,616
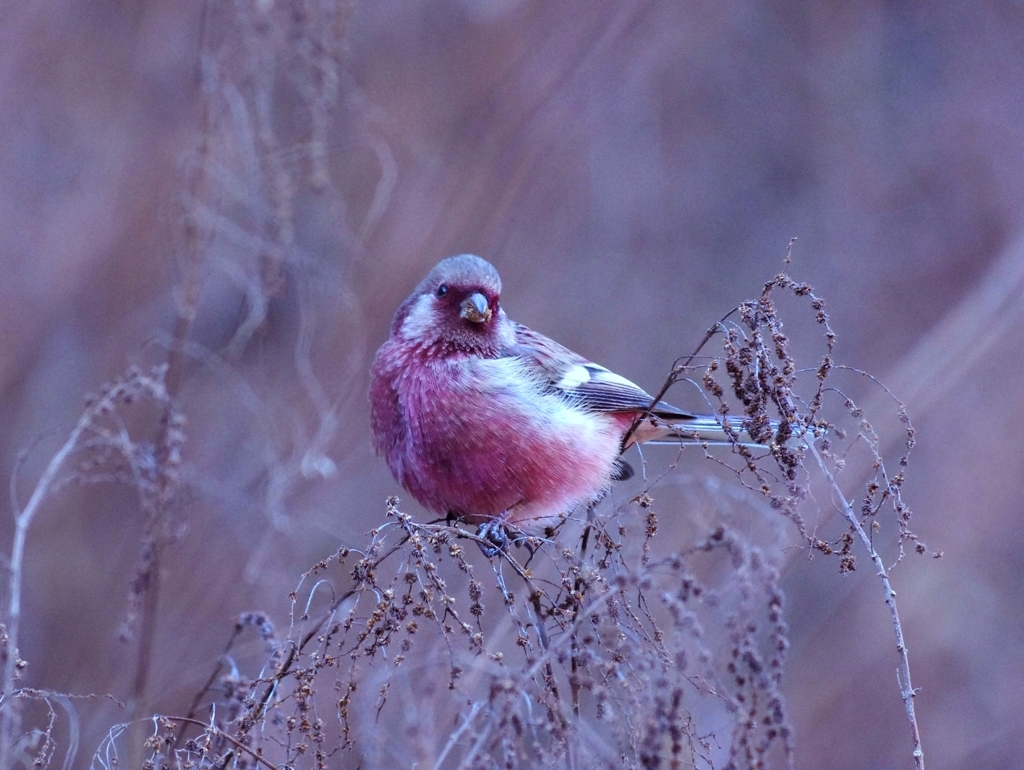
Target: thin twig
677,369
454,737
187,309
216,732
285,668
22,521
907,691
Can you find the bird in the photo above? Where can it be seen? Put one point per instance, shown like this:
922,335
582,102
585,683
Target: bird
484,420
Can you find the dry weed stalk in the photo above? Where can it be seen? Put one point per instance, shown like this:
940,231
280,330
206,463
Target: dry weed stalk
108,452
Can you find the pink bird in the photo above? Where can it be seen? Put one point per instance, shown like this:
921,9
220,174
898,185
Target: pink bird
487,421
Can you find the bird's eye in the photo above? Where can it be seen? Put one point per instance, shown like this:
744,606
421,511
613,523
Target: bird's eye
442,289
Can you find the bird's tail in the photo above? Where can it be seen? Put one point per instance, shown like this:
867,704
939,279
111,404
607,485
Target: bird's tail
717,429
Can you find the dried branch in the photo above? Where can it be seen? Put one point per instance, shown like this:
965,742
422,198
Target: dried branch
907,692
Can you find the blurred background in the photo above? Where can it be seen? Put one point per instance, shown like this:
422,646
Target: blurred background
634,170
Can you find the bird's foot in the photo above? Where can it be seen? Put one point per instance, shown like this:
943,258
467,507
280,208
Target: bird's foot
494,532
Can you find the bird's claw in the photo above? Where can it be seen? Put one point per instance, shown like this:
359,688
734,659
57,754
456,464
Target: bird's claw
495,533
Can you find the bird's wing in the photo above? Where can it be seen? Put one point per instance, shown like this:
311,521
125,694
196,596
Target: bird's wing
582,382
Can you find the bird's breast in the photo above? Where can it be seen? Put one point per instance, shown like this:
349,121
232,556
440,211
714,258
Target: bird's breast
481,438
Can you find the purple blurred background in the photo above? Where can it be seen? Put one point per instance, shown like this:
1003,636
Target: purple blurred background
633,169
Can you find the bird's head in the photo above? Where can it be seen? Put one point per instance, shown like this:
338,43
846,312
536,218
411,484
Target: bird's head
455,308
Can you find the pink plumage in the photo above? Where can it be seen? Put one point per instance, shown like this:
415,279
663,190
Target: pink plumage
484,419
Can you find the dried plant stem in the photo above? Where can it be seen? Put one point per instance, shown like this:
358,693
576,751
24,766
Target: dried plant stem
186,314
678,368
147,630
285,667
214,732
457,734
22,521
907,691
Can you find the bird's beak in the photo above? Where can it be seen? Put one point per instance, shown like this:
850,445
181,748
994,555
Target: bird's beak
474,308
